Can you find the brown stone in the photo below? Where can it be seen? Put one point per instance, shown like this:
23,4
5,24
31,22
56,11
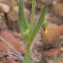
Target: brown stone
61,28
4,7
53,33
61,49
51,52
10,60
7,35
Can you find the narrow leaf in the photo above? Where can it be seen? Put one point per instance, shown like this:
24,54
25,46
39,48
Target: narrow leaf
22,19
41,19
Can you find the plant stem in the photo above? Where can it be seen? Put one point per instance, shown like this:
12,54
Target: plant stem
32,15
28,54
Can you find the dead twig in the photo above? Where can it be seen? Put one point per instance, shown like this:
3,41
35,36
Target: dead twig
17,53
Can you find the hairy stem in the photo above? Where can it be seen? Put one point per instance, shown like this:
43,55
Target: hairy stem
32,15
28,54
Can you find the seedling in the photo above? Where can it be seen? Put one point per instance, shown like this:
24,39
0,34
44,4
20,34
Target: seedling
27,30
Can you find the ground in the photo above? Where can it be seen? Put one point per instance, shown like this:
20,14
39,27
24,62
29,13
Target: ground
10,32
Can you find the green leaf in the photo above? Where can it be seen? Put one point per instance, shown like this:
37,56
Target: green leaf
31,60
41,19
44,24
24,26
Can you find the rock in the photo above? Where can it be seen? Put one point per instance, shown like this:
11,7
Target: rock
61,28
51,52
59,1
5,7
39,5
15,8
10,60
60,42
19,35
61,49
5,1
8,36
53,33
58,7
2,23
12,17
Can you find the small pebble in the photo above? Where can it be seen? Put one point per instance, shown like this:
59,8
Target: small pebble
5,7
61,49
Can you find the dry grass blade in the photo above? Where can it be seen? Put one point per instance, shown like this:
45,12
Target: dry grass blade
18,54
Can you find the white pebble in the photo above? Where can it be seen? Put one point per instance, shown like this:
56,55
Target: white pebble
5,7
